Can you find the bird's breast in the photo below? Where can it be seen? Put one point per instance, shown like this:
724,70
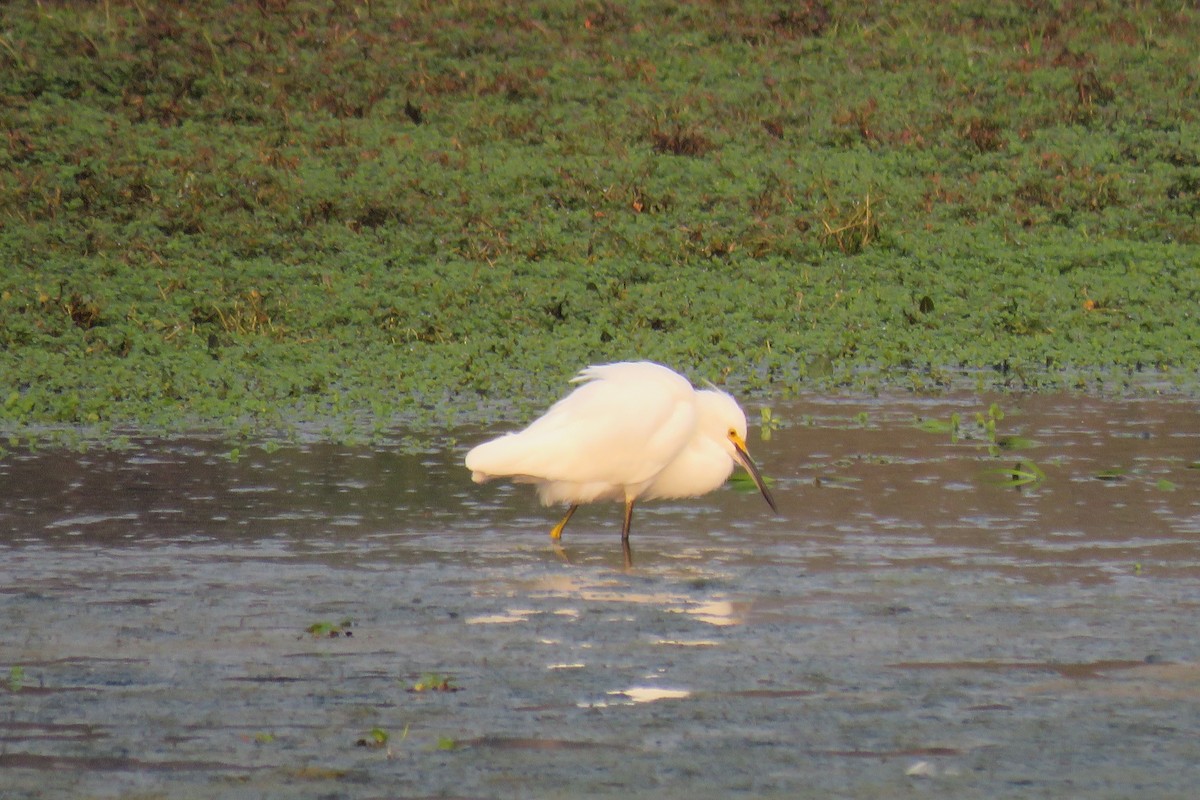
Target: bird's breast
698,469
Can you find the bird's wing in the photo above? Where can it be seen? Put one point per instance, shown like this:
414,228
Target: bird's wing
620,429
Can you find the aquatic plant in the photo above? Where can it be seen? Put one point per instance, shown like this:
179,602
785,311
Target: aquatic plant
434,682
330,630
376,737
214,216
1021,474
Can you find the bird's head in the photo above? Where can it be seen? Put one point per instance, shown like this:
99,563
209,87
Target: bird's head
723,419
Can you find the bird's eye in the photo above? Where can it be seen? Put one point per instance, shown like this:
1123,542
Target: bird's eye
732,433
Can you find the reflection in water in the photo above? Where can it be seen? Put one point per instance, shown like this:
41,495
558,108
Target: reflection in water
510,616
649,694
590,588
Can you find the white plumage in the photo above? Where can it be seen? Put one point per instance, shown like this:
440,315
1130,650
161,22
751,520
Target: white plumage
631,431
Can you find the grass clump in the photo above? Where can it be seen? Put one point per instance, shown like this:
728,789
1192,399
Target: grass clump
261,214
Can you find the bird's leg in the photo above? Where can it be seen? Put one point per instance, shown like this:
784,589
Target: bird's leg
625,551
556,531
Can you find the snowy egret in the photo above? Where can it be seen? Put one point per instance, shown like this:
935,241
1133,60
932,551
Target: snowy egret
631,431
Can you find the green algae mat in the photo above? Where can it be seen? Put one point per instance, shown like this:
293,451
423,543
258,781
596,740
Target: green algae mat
252,216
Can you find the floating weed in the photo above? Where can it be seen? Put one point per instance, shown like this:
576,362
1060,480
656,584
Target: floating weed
262,737
1015,443
1021,474
1164,485
939,426
446,743
380,738
16,679
742,482
330,630
434,682
1113,474
836,482
950,426
983,429
320,629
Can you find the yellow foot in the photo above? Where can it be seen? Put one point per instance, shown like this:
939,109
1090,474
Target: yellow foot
556,531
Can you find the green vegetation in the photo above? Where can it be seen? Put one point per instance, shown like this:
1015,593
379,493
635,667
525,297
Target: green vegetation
381,738
741,482
434,682
378,737
330,630
1021,474
252,216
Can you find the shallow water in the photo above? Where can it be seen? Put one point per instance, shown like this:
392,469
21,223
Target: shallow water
908,625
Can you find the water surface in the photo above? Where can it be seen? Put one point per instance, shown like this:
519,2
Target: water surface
912,622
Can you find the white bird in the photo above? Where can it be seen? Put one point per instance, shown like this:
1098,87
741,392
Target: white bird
631,431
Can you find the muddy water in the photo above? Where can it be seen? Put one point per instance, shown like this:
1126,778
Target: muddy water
912,624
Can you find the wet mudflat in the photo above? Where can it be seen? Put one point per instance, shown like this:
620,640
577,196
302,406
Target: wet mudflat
1007,613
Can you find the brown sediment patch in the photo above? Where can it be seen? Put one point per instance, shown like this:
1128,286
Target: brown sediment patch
1146,682
1075,671
908,752
772,693
48,763
48,731
41,690
535,743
